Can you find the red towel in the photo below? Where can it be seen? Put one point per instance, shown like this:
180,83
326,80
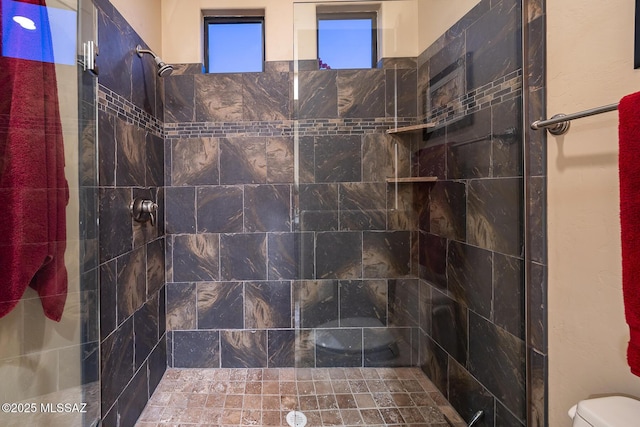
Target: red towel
629,165
33,188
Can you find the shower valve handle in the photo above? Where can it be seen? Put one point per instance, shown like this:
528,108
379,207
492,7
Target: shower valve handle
143,210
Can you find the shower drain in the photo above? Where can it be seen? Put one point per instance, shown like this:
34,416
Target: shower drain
296,419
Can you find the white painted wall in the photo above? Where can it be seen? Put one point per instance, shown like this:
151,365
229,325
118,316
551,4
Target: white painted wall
590,63
145,17
437,16
182,27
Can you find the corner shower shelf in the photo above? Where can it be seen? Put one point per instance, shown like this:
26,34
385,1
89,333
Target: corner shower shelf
412,179
411,128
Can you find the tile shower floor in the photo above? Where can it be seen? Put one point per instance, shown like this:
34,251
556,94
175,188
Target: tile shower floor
327,396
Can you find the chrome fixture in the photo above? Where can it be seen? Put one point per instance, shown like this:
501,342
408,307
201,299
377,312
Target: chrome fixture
476,417
143,210
559,124
164,69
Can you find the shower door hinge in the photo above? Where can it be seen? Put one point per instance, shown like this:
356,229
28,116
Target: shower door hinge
89,53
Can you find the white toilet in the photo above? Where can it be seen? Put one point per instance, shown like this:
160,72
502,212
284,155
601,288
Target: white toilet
612,411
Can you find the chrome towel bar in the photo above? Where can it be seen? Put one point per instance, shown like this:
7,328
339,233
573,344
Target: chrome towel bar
559,124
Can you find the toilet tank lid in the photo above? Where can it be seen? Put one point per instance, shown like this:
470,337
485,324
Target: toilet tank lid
611,411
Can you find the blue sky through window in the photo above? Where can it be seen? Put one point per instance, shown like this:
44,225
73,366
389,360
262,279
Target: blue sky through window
345,43
235,47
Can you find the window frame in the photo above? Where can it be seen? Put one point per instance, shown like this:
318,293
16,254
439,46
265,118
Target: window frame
343,16
208,20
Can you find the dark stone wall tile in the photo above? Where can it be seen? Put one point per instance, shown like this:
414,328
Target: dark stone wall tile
195,161
507,138
508,291
106,149
405,302
361,93
108,299
434,362
494,216
220,305
494,42
447,210
133,399
537,219
306,159
218,97
196,349
348,353
243,161
291,256
468,396
157,364
429,156
267,208
469,146
115,222
117,51
318,95
433,259
469,272
338,159
179,98
180,210
145,330
378,157
281,348
280,160
446,59
268,305
131,282
363,206
497,360
195,257
449,321
265,96
538,307
318,301
363,299
504,418
243,349
154,164
219,209
243,256
181,306
386,254
318,204
400,208
305,349
162,312
144,79
387,347
116,363
130,155
538,409
401,92
339,255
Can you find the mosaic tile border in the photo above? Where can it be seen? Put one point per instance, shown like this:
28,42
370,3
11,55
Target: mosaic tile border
284,128
503,89
112,103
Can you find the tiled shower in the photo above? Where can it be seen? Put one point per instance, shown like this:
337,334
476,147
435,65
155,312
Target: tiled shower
281,243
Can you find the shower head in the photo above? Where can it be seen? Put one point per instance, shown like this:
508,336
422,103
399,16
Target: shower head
164,69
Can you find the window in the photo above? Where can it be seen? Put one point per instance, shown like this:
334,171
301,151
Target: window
347,40
234,44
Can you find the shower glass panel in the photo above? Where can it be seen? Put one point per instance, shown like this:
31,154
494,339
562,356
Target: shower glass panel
49,355
356,297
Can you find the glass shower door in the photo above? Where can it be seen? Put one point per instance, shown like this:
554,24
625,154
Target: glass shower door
49,338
